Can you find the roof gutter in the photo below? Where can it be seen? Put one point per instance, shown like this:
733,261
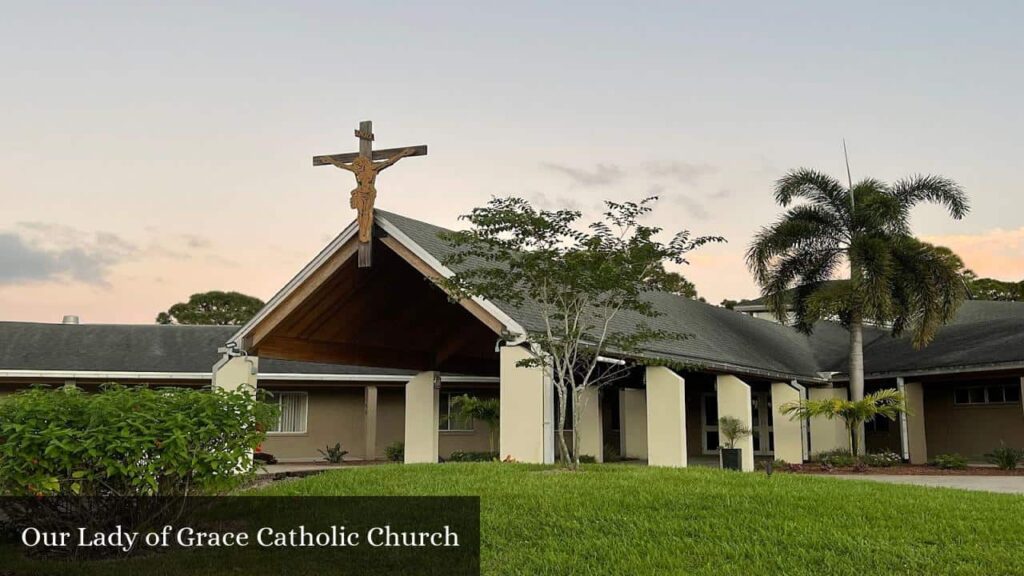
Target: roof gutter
285,376
936,371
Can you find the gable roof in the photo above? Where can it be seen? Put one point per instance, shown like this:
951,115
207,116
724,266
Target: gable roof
719,338
982,334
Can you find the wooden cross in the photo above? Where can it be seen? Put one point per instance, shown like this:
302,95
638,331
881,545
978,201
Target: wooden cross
366,164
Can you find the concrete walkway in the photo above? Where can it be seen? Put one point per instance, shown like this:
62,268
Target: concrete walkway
1006,484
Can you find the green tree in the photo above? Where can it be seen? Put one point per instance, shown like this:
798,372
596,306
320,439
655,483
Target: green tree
728,304
212,308
585,283
992,289
894,280
676,283
886,403
486,411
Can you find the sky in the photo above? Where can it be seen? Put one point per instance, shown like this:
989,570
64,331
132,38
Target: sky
149,151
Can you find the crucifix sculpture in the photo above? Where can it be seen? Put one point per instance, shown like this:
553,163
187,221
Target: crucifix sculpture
365,165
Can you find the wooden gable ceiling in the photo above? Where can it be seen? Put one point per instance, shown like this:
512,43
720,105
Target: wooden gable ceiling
389,315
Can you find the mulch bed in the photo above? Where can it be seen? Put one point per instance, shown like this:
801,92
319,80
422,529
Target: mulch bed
906,470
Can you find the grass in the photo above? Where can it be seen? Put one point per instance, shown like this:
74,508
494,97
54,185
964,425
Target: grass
624,519
612,519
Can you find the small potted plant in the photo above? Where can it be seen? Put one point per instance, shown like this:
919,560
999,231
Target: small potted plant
731,429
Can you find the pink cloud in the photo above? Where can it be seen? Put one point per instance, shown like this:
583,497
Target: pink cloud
997,253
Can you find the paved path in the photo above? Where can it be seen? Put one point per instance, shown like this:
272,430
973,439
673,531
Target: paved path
1007,484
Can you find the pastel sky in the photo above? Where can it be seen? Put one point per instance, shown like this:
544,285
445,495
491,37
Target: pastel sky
153,150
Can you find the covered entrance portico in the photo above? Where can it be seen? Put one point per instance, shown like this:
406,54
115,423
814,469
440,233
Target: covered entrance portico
670,418
388,316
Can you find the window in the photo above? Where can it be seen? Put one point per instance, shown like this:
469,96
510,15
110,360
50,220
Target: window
877,424
993,394
448,417
293,406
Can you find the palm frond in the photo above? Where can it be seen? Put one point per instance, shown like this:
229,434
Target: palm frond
818,187
927,288
937,189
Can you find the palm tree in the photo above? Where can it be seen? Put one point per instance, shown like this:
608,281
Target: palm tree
893,280
486,411
854,413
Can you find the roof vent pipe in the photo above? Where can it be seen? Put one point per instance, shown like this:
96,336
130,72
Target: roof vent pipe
70,319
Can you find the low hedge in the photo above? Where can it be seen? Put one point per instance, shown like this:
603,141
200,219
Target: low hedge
124,441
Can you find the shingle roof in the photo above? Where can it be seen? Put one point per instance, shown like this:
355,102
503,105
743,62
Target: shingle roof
982,333
135,348
718,336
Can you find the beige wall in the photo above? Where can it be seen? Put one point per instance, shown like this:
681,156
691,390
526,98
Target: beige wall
390,418
591,428
734,401
522,407
633,403
333,415
230,373
421,417
337,415
970,431
788,433
827,434
666,417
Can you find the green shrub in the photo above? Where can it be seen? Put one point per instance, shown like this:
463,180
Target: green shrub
587,459
395,452
839,458
1004,457
883,459
460,456
333,454
124,441
949,462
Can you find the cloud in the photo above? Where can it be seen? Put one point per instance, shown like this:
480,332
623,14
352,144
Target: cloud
721,194
996,253
545,202
601,175
22,260
684,172
694,207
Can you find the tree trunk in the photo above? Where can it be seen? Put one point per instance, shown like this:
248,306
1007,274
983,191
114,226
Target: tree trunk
563,450
857,378
577,410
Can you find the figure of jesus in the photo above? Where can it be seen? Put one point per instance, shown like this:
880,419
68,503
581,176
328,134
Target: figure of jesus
365,192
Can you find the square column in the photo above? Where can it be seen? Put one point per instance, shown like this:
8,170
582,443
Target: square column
633,421
421,412
827,434
591,431
666,417
789,438
526,429
233,372
734,400
917,444
370,422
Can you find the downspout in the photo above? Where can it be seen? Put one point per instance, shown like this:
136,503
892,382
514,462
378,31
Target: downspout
805,428
904,440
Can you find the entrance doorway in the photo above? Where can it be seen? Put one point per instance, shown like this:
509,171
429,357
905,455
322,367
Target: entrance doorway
762,428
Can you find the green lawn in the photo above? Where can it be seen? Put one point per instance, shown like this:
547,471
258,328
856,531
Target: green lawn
636,520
